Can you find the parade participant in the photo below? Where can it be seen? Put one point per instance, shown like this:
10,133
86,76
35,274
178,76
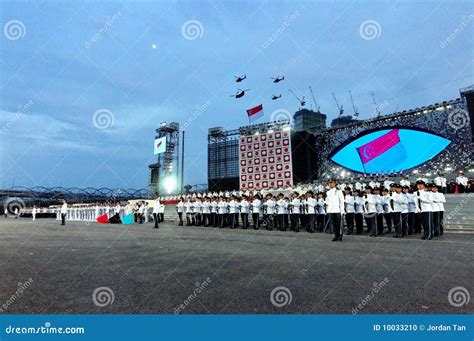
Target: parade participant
404,205
359,212
295,210
33,213
197,210
180,210
387,208
461,182
188,208
214,211
405,181
244,211
380,212
206,211
270,210
335,209
255,208
63,212
321,218
370,213
387,183
233,212
411,210
156,209
438,208
141,208
282,212
311,208
222,211
349,206
398,201
145,211
162,212
441,182
425,201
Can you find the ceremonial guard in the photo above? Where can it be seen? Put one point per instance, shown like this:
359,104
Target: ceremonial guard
311,208
359,212
425,202
270,204
370,206
282,212
64,212
255,208
180,210
206,212
398,200
295,206
349,205
438,208
244,211
335,209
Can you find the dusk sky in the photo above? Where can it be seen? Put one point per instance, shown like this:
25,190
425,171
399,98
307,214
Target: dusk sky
140,63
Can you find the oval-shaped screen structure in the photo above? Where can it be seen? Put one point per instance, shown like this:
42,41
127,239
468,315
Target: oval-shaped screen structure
389,150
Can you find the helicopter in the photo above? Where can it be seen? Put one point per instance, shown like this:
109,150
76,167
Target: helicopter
278,79
239,93
276,97
240,78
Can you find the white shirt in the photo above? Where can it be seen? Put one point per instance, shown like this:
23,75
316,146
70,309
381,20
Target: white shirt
426,200
156,206
311,204
295,206
440,181
282,206
233,207
321,206
270,206
256,204
213,206
399,202
412,206
64,208
180,207
349,203
206,207
438,201
244,206
461,180
334,201
370,203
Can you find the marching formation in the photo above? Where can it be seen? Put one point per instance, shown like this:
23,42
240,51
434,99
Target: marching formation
400,209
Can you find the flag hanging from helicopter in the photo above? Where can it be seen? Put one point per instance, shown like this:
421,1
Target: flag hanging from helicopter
160,145
255,113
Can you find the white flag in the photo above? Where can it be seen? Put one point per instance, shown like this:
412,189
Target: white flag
160,145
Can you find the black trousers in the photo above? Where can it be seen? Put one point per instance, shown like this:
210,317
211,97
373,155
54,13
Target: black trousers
270,221
397,223
379,222
162,217
282,222
180,216
294,222
335,224
350,222
321,221
426,221
404,224
233,220
417,224
188,219
213,219
311,223
359,223
441,222
155,219
63,218
370,220
435,223
245,220
221,220
411,222
388,220
256,222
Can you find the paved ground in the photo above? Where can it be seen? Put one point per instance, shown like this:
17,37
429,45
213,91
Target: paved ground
208,270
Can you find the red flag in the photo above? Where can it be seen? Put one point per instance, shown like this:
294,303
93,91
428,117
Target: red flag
255,113
377,147
103,219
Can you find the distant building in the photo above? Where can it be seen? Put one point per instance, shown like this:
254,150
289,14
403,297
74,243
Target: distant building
308,120
344,120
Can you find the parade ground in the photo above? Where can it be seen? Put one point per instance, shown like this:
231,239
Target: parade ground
91,268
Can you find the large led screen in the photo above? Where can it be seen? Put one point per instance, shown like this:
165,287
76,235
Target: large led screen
389,150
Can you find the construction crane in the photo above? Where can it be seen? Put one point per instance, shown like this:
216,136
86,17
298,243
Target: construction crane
301,100
314,99
340,107
376,107
356,113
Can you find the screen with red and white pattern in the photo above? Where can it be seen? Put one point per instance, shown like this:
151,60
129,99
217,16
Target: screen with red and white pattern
265,160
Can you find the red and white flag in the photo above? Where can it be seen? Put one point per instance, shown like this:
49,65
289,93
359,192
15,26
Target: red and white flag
160,145
255,113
